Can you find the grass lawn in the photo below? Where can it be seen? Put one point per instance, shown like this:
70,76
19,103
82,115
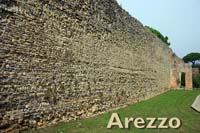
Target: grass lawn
171,104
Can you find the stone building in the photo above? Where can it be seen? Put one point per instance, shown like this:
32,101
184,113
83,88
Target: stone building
63,60
181,75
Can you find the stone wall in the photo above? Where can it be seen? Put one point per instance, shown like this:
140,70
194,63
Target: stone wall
179,69
63,60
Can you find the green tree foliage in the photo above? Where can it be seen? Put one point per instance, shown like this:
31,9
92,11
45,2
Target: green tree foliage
196,81
196,66
159,35
192,57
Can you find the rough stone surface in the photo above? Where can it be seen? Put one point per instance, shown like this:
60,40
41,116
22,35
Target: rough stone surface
177,68
196,104
62,60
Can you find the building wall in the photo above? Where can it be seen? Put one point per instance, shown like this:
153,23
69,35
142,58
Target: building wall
179,69
63,61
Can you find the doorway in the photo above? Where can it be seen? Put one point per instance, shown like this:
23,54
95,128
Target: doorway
182,80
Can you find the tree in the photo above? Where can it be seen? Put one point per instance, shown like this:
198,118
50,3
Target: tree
196,81
192,57
159,35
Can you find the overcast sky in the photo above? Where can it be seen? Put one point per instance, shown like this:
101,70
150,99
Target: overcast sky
178,19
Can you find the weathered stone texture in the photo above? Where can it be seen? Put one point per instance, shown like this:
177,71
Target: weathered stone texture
69,59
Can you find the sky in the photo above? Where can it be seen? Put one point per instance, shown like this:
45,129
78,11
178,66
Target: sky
177,19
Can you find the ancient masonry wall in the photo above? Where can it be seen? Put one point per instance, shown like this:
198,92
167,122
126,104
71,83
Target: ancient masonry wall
66,60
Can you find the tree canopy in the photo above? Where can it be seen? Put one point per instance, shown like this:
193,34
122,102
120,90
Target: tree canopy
159,35
192,57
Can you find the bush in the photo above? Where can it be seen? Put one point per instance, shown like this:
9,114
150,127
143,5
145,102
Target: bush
196,81
196,66
159,35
